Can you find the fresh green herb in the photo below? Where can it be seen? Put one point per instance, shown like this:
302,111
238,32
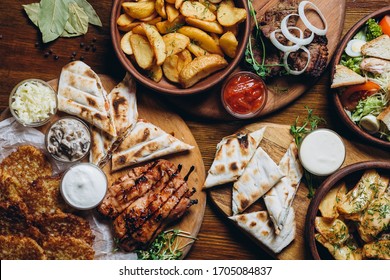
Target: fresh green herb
62,18
352,63
166,246
174,28
310,123
116,245
374,30
373,105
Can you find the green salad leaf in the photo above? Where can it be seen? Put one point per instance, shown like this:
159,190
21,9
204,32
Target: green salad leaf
352,63
373,105
374,30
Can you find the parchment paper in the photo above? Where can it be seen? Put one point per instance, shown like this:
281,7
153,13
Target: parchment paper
13,135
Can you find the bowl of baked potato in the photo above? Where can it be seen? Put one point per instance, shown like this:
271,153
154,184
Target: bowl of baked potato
180,47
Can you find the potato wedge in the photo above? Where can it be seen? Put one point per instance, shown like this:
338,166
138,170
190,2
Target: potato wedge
125,43
160,8
172,12
185,57
139,30
169,68
328,205
165,26
209,5
200,68
335,231
196,10
123,21
143,52
139,10
156,41
149,18
155,73
233,29
208,26
178,3
228,15
154,21
196,50
228,43
175,43
201,38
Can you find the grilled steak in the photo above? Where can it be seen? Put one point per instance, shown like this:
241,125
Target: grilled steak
144,201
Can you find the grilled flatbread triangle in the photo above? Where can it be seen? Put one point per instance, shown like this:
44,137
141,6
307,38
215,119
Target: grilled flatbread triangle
81,93
123,107
278,200
259,176
232,156
260,226
145,142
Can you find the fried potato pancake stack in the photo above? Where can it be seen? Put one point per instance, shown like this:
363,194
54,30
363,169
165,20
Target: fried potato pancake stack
35,222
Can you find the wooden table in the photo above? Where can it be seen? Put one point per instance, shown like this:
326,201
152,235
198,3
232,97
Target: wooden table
21,58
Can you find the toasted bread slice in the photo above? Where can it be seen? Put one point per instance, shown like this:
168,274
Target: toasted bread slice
379,47
346,77
65,225
385,117
67,248
20,248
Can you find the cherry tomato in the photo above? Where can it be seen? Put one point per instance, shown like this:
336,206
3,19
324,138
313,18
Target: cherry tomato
385,24
353,94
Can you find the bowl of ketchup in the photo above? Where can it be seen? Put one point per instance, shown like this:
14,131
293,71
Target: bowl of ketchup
244,95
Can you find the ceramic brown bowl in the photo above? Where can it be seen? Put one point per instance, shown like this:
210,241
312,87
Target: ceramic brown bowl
336,59
351,175
164,86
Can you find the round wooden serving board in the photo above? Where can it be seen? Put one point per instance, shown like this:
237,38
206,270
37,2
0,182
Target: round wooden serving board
158,115
275,142
281,91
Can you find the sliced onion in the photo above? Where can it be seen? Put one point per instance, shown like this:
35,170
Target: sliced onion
282,47
301,12
299,41
295,72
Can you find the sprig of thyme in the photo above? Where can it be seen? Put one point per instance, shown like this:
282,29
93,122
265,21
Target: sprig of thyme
166,246
310,123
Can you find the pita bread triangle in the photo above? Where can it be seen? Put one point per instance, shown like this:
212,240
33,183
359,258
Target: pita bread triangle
232,156
81,93
145,142
259,176
259,225
279,199
123,108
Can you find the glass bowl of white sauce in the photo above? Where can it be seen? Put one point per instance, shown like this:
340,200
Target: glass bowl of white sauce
33,102
322,152
83,186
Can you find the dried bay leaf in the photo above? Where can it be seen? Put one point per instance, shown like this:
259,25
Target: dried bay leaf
78,19
52,19
32,11
93,18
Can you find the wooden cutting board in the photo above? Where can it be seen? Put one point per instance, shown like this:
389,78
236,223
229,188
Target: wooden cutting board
281,91
275,142
156,113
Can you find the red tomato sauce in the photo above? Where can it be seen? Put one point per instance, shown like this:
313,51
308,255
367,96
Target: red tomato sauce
244,94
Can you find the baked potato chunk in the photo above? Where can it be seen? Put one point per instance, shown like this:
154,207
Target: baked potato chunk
125,43
202,39
228,43
208,26
200,68
156,41
139,10
194,9
143,52
175,43
229,15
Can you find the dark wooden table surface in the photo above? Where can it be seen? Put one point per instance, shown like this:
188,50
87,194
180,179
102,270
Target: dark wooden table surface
22,58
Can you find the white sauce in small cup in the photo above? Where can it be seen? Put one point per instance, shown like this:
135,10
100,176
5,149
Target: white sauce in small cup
322,152
84,186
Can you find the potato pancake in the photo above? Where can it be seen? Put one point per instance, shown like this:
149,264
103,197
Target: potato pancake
67,248
20,248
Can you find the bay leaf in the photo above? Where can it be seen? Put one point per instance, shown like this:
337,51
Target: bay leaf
52,18
32,11
69,31
93,17
78,19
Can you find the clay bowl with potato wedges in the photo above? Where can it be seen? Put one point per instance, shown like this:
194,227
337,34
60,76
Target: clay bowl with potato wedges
201,48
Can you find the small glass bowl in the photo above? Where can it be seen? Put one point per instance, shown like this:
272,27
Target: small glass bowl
15,114
227,107
78,188
82,124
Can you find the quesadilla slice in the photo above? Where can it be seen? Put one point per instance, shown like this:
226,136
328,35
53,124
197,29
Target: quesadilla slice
259,176
123,107
81,93
278,200
260,226
232,156
145,142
